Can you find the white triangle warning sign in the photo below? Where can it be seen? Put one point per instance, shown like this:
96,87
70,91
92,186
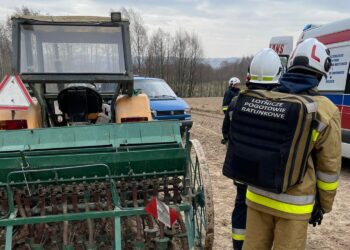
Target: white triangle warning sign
13,94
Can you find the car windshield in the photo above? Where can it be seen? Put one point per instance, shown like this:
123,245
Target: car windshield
154,88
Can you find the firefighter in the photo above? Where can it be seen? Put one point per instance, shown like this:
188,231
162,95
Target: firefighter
230,93
281,220
265,64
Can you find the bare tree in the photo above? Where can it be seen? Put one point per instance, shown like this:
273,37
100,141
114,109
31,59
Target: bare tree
195,55
5,40
138,36
181,60
158,54
5,52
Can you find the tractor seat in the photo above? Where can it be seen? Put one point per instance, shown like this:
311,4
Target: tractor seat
79,101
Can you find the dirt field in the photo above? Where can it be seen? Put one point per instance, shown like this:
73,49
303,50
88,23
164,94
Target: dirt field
334,233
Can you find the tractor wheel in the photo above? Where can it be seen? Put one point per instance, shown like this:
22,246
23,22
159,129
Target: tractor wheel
202,197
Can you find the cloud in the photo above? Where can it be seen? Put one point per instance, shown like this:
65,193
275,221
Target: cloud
226,28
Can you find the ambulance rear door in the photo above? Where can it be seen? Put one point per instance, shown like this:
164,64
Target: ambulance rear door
337,88
283,45
338,76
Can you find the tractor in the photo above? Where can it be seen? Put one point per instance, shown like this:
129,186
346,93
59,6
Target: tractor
79,166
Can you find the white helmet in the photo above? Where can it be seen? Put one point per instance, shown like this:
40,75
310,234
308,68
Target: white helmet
266,67
311,55
233,81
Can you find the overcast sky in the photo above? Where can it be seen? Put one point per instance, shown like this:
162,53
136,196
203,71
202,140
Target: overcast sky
226,27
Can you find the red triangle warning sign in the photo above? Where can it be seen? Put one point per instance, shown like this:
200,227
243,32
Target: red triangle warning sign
159,210
13,94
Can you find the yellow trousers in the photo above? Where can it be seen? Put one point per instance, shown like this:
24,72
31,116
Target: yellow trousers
266,232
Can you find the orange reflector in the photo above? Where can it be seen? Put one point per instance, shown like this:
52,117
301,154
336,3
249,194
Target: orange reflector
13,124
134,119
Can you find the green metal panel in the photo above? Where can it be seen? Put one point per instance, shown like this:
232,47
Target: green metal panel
133,149
88,136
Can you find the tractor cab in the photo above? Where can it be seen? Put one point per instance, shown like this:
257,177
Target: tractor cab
66,60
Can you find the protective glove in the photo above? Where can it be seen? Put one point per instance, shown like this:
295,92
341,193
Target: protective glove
316,216
224,139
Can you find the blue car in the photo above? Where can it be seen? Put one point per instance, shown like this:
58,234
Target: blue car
165,105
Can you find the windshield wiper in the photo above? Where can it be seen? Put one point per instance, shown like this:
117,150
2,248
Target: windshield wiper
164,96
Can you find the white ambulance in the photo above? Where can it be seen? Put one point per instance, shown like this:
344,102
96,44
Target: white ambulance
336,36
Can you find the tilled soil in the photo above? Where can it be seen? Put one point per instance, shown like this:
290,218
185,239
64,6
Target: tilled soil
334,233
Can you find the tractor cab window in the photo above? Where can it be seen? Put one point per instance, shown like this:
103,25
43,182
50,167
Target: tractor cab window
71,49
79,103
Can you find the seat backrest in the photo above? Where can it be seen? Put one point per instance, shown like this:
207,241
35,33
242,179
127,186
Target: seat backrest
79,101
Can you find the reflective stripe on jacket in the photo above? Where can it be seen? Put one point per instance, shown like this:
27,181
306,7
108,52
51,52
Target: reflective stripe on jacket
291,204
327,182
322,173
238,234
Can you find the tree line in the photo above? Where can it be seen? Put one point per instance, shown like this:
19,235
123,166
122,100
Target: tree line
176,58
